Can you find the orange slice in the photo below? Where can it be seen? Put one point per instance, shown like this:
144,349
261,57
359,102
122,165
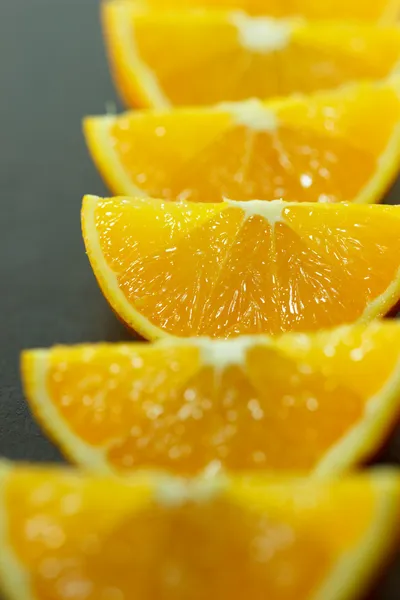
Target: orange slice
312,403
358,10
231,268
64,535
326,147
163,58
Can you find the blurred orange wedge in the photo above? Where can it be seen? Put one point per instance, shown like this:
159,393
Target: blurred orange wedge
358,10
65,535
161,59
337,146
231,268
310,403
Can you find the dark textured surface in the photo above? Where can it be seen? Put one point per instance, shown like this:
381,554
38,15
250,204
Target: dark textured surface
52,72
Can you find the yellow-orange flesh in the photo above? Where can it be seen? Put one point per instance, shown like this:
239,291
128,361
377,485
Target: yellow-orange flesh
358,10
188,269
201,57
68,536
315,404
321,148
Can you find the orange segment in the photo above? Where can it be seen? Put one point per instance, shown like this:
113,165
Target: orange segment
326,147
316,403
358,10
65,535
242,268
168,58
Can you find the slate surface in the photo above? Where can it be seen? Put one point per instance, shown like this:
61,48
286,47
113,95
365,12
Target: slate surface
52,72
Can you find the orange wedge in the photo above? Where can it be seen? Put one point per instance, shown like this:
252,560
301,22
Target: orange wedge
231,268
311,403
64,535
337,146
161,59
358,10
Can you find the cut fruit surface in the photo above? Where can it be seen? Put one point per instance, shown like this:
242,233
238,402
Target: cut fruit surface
310,403
357,10
327,147
232,268
65,535
162,59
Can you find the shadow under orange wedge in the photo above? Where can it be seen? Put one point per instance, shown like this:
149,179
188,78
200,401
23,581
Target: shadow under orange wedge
306,403
65,535
162,59
337,146
358,10
231,268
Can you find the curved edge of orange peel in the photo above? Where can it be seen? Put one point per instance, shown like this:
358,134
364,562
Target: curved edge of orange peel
360,567
136,83
363,440
108,281
388,162
14,582
96,131
14,577
34,369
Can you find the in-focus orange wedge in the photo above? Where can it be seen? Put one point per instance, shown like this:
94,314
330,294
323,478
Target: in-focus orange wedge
162,59
358,10
337,146
221,270
70,536
310,403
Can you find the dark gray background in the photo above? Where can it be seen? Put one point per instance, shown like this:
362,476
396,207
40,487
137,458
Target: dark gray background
52,72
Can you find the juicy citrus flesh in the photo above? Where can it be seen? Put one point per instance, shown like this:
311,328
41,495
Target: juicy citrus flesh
65,535
203,57
229,269
311,403
358,10
324,147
